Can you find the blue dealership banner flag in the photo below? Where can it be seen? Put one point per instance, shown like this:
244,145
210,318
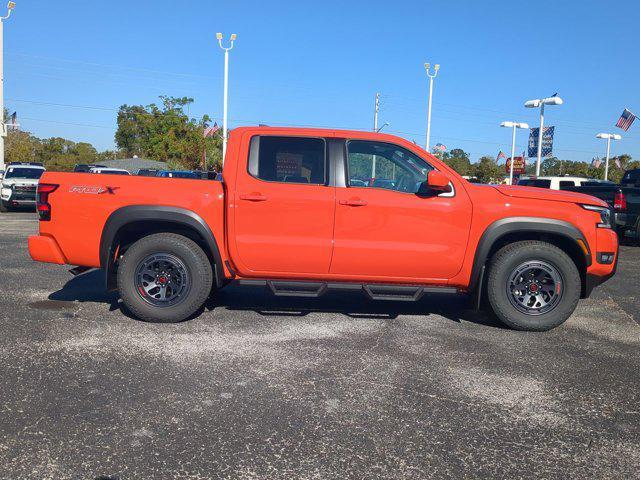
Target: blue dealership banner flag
547,141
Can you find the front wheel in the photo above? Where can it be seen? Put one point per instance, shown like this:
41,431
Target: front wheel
164,277
533,285
4,207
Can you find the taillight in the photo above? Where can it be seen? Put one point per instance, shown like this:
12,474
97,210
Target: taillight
620,201
42,200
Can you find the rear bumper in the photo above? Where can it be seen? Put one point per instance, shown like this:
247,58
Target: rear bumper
45,249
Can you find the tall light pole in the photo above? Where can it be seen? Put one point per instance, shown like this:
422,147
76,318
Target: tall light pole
376,110
226,90
3,133
427,67
513,125
541,102
609,137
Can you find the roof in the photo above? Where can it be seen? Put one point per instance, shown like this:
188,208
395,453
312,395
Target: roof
135,164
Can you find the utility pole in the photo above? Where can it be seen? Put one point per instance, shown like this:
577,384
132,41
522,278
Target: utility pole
376,110
427,67
3,133
540,103
513,125
226,90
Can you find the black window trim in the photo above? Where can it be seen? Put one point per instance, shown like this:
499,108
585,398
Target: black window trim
326,162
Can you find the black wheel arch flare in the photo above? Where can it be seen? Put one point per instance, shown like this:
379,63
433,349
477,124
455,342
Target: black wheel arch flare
513,225
180,217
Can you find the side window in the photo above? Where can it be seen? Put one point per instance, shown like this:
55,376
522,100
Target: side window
288,159
384,165
566,183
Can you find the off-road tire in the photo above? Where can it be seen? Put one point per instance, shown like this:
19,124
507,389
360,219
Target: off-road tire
198,268
506,261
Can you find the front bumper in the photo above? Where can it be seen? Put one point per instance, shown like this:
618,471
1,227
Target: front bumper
19,196
598,273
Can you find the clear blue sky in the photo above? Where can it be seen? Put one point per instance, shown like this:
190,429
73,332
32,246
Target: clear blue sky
320,63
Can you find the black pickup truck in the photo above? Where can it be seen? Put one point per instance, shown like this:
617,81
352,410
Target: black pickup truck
624,199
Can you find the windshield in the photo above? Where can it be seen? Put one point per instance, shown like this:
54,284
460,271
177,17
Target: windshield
534,182
30,173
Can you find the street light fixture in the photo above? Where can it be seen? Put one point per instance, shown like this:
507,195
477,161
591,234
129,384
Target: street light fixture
386,124
513,125
609,137
226,89
3,132
427,67
540,103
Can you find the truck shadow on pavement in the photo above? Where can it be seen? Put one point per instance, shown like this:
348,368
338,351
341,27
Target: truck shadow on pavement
89,287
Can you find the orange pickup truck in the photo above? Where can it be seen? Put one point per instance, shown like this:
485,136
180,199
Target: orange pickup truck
303,211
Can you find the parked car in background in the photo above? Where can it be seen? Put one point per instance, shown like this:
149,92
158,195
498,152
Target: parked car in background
109,171
178,174
624,200
83,167
631,177
19,185
553,183
148,172
532,253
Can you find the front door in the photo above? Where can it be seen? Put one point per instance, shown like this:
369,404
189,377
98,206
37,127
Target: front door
284,207
385,229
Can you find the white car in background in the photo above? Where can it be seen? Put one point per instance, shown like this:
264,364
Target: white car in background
109,171
19,185
557,183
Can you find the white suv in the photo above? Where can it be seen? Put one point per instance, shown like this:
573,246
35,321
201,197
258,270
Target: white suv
555,183
19,185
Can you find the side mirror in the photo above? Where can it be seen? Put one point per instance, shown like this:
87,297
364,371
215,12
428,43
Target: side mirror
438,182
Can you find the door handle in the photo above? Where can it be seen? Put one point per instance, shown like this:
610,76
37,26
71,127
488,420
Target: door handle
354,202
254,197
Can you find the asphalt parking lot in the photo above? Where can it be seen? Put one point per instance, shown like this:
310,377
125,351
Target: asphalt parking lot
337,387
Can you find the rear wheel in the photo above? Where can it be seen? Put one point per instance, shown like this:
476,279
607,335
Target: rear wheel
164,277
533,285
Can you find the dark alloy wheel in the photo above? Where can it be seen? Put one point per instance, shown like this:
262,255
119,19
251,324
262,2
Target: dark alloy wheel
164,277
533,285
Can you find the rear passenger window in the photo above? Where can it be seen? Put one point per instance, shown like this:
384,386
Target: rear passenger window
288,159
567,183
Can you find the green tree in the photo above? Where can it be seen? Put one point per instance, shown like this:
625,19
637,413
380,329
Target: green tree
458,159
21,147
487,171
166,133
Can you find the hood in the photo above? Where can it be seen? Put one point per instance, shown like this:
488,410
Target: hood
535,193
19,181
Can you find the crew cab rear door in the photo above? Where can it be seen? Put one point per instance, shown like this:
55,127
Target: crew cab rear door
284,207
389,231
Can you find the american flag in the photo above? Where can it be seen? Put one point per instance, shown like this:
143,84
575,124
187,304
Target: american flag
211,131
441,147
625,120
500,155
596,162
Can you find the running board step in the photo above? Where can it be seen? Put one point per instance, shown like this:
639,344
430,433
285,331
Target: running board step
375,291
